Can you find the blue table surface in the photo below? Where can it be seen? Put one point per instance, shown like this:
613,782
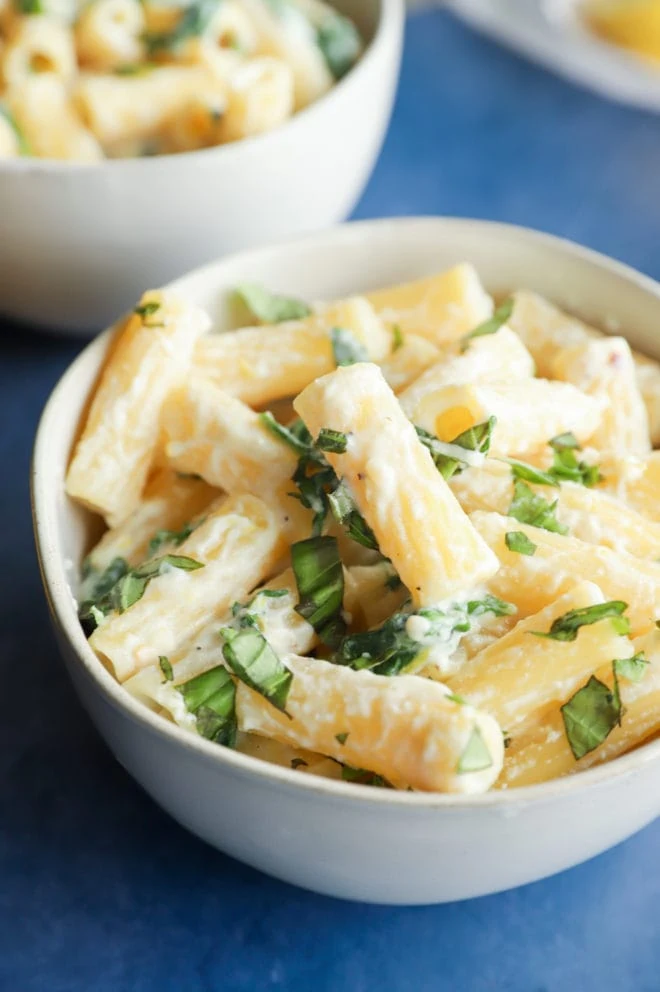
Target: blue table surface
99,890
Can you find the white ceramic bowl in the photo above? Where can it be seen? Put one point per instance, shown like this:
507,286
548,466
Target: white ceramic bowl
346,840
80,242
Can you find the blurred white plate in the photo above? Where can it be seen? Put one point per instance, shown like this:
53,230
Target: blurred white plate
551,33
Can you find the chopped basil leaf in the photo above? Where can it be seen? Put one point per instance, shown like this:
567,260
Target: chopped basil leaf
166,667
320,580
131,586
490,326
590,716
339,41
335,442
314,479
346,512
566,627
297,436
298,763
341,738
147,309
529,508
134,69
633,669
28,7
398,339
193,22
163,537
567,467
476,756
393,581
346,348
386,650
490,604
515,540
475,438
210,697
251,658
270,307
529,473
94,591
455,698
363,777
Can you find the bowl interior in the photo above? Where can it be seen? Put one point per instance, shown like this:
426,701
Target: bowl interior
348,259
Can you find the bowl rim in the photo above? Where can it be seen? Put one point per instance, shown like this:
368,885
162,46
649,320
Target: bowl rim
54,579
390,16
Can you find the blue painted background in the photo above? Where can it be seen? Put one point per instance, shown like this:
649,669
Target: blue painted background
99,891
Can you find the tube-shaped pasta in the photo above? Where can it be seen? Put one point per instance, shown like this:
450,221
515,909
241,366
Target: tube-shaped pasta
541,750
408,361
38,44
442,308
120,109
109,33
404,728
635,480
261,364
545,329
558,562
259,98
45,117
284,33
197,125
520,674
417,521
168,503
591,515
238,545
372,593
501,356
604,367
210,433
112,458
529,412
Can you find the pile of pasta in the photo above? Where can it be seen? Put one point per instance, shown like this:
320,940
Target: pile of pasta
407,539
116,78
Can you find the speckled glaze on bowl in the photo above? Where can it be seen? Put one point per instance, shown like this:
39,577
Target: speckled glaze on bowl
80,242
332,837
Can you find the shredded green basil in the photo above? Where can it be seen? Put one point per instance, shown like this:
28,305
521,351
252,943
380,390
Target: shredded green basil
271,308
516,541
320,580
633,669
360,776
346,348
398,339
529,508
345,512
251,658
166,667
475,438
194,21
335,442
590,716
567,467
340,43
341,738
147,309
176,537
297,437
566,627
211,697
475,757
490,326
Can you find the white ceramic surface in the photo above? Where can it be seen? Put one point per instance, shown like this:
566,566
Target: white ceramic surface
80,242
551,32
333,837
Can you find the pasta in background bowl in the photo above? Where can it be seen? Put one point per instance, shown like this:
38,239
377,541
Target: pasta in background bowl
83,234
478,534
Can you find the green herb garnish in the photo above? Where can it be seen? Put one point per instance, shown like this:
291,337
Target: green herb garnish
298,763
516,541
590,716
29,7
529,508
360,776
335,442
210,697
270,307
345,512
341,738
529,473
147,309
297,437
476,756
251,658
475,438
164,537
166,667
633,669
490,326
566,627
346,348
398,339
567,466
320,580
193,22
340,43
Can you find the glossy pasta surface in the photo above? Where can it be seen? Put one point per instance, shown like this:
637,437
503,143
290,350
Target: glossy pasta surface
407,539
84,80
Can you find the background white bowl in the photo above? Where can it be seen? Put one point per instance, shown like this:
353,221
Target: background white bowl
80,242
332,837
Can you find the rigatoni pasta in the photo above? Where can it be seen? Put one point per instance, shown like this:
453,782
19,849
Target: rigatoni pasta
140,78
452,589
